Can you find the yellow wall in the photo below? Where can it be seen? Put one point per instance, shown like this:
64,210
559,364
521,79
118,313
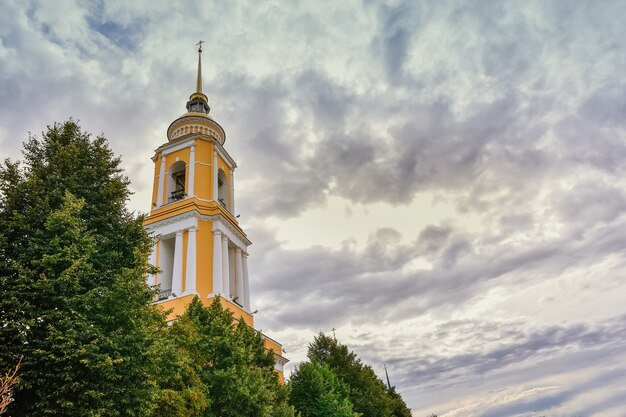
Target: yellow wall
204,258
204,176
178,306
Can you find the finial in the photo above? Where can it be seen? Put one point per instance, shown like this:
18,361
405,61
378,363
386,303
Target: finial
198,102
199,81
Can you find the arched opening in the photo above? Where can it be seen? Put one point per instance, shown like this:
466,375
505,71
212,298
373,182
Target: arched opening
222,189
176,182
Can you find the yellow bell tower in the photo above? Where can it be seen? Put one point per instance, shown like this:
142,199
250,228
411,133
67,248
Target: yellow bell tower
199,248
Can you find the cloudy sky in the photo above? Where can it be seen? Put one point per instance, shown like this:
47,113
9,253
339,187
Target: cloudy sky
442,182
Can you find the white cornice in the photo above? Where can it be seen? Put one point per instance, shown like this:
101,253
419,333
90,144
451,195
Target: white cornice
221,223
198,124
170,147
171,225
182,221
229,160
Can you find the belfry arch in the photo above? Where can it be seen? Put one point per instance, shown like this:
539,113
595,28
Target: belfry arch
176,189
222,189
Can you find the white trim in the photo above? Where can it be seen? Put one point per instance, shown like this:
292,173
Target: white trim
232,190
215,179
201,122
177,270
171,225
225,267
188,219
159,202
239,277
217,262
152,261
191,164
246,282
226,156
166,150
233,234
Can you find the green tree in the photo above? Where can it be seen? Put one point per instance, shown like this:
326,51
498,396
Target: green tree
228,359
72,265
315,391
181,392
368,393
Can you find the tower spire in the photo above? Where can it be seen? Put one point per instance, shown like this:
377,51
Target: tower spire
198,102
199,81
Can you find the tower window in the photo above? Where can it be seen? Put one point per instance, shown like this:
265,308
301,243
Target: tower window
222,189
176,183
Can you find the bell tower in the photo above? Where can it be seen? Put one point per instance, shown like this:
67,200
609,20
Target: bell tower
199,246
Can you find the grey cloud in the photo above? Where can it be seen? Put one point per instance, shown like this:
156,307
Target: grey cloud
538,344
453,252
552,401
432,238
591,202
348,280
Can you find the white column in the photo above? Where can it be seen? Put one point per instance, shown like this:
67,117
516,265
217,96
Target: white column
225,269
246,283
217,262
239,276
161,181
150,278
232,191
190,272
177,273
215,176
192,170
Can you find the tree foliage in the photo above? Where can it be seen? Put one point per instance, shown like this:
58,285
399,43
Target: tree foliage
368,393
72,264
222,368
315,391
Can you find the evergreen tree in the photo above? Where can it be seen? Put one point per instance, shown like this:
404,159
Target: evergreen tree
368,393
231,371
72,265
315,391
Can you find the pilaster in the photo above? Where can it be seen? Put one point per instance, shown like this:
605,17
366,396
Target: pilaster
159,201
177,272
225,268
192,171
218,287
246,283
239,276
